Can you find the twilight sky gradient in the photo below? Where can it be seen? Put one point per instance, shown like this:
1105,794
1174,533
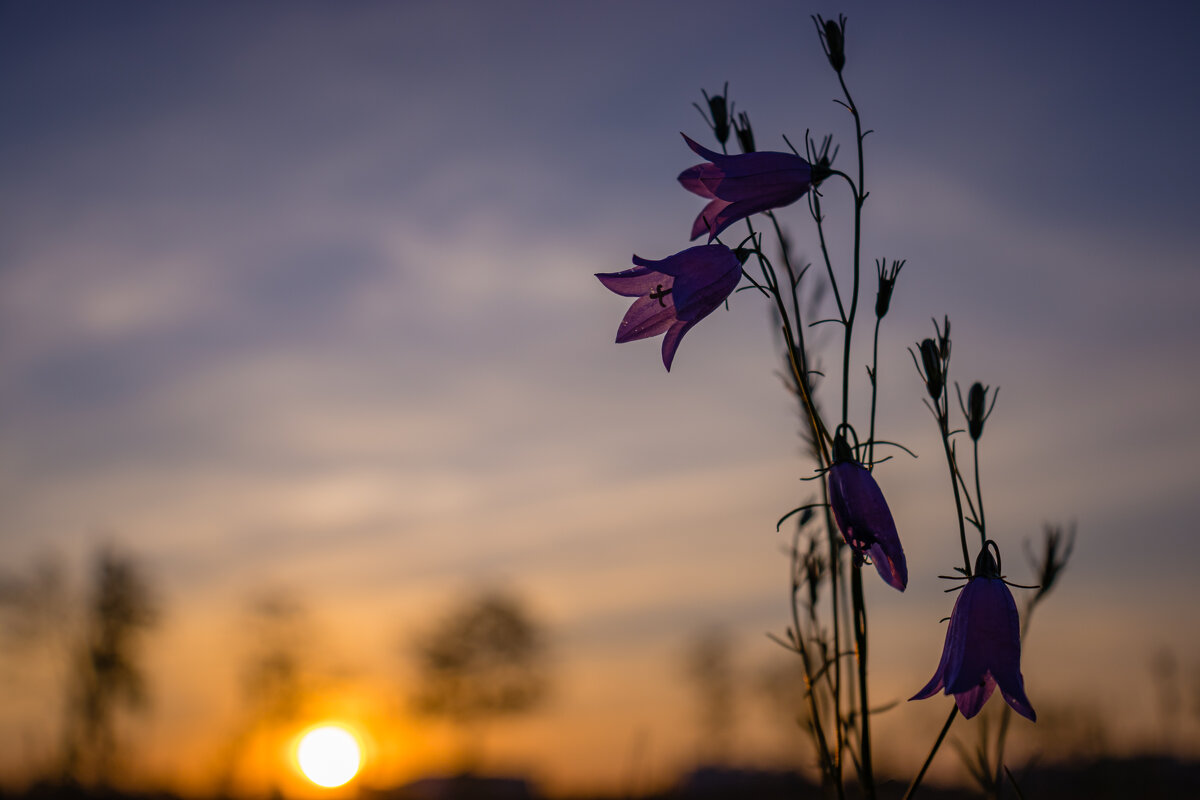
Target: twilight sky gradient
299,296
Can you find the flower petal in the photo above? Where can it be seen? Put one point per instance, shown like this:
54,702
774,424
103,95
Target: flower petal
1017,699
702,151
951,655
748,204
891,566
672,339
712,273
634,282
762,173
937,681
646,317
959,623
971,702
712,220
700,179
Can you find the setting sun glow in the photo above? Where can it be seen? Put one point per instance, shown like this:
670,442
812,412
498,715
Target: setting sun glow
329,755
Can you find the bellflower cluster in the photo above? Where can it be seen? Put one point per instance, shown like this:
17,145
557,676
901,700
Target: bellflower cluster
703,277
850,524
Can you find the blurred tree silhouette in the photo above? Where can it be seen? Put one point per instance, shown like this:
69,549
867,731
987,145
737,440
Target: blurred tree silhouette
99,647
486,659
779,685
37,606
275,683
709,665
1165,677
105,675
272,678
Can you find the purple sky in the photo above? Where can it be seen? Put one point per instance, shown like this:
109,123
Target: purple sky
300,295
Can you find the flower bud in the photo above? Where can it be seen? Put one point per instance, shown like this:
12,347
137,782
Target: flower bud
833,35
718,109
887,283
741,126
1056,552
977,411
883,300
931,360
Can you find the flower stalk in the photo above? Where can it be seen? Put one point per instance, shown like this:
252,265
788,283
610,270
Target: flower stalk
983,640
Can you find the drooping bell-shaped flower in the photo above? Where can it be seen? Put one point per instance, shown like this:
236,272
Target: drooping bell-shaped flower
675,293
865,520
742,185
983,646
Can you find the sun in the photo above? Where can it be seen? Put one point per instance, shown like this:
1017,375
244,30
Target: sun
329,755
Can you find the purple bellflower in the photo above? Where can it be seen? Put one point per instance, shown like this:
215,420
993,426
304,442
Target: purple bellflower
865,520
675,293
742,185
983,645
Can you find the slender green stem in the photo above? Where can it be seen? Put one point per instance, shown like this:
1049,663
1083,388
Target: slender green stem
860,196
874,394
816,214
835,568
849,181
794,283
862,190
764,263
827,762
849,329
754,283
798,361
860,641
820,433
800,369
819,437
979,499
943,425
966,491
832,764
912,787
797,358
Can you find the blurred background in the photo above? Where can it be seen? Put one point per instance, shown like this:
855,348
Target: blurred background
302,366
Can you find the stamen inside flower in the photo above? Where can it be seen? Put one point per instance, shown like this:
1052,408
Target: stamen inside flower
658,294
